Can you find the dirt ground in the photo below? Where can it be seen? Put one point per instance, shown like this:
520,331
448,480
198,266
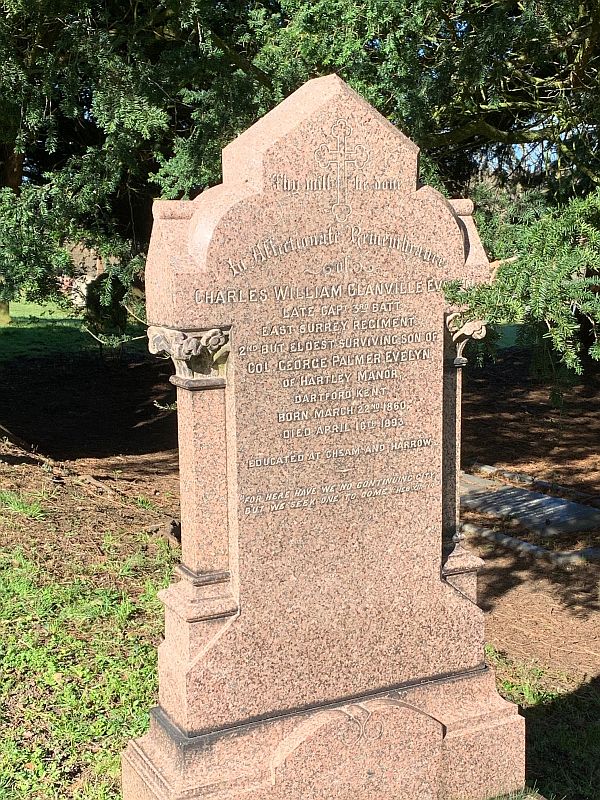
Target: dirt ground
104,429
509,422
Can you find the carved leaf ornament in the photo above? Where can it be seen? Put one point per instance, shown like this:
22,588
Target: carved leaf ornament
194,354
475,329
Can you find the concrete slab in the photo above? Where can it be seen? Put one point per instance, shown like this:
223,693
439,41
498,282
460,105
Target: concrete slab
537,511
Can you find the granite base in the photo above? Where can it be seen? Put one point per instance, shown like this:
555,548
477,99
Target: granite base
452,738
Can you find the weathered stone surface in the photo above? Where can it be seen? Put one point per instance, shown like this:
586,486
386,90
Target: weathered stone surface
318,461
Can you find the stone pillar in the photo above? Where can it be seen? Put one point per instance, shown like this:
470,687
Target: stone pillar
204,598
461,568
452,392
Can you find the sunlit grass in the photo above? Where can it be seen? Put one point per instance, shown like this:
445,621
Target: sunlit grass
38,331
78,666
563,727
145,503
17,503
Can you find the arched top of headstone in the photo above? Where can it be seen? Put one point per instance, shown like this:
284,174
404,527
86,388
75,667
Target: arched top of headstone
325,173
291,135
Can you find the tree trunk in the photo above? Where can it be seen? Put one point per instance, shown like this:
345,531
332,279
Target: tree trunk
4,313
11,173
12,167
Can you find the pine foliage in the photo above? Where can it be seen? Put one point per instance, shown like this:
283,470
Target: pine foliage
107,104
549,277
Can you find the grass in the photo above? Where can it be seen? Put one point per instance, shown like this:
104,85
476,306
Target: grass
16,503
78,666
79,676
78,645
524,684
38,331
563,727
145,503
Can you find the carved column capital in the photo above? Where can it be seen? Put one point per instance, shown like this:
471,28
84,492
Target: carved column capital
461,334
196,355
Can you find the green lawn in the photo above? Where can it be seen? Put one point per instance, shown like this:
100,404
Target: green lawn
40,331
563,728
78,667
37,331
23,311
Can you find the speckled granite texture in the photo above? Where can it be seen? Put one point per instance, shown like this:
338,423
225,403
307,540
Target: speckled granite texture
314,645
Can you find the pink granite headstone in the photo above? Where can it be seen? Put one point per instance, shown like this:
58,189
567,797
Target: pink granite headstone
315,644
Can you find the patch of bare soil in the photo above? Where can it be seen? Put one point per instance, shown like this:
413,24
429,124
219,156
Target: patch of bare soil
560,542
509,422
536,610
72,523
540,612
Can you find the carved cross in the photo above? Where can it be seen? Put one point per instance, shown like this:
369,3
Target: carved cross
340,158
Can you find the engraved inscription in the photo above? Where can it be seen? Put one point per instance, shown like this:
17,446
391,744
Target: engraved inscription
315,496
392,241
328,359
342,375
340,355
288,293
263,252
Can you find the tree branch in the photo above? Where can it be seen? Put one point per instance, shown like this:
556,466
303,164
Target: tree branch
593,176
241,61
480,127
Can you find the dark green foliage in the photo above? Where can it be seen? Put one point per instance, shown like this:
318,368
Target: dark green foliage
552,282
104,311
106,104
30,254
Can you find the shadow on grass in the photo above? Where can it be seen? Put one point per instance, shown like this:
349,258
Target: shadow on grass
67,398
563,744
35,337
79,405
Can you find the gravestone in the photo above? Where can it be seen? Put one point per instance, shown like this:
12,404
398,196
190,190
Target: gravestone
316,646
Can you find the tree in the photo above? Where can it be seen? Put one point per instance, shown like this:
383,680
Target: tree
551,284
104,105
